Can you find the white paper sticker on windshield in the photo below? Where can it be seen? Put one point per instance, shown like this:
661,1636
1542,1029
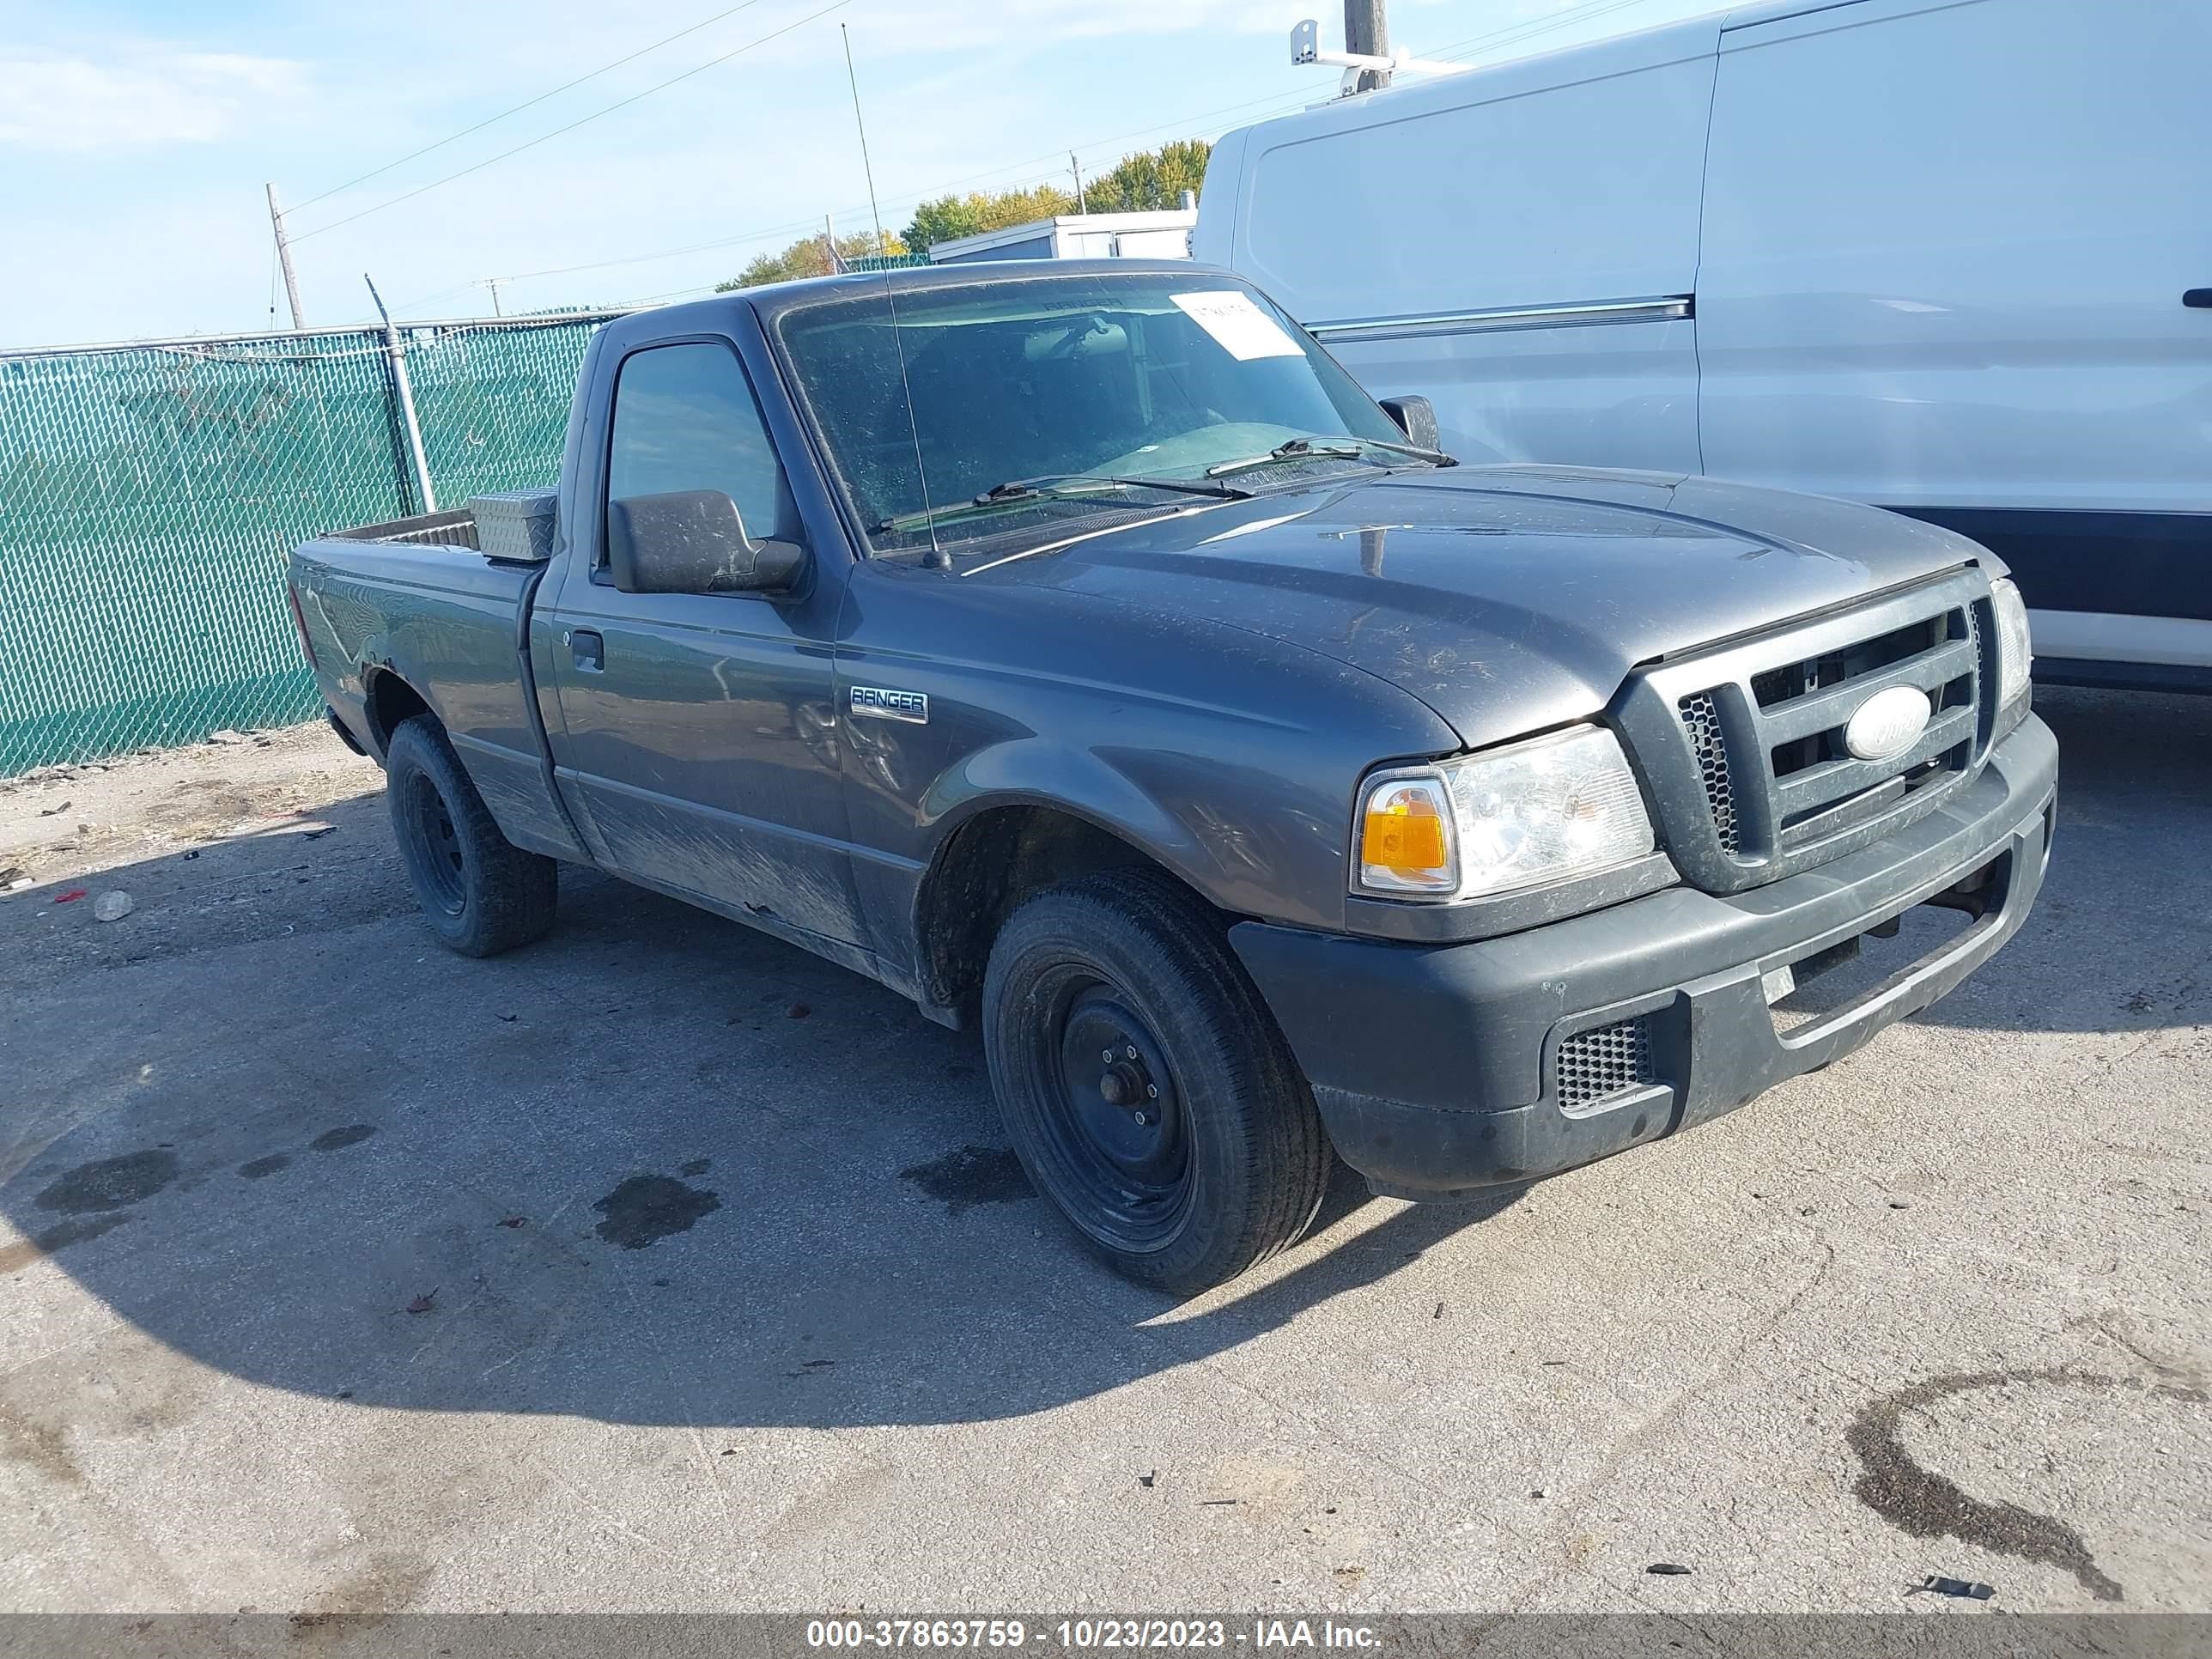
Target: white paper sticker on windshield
1244,330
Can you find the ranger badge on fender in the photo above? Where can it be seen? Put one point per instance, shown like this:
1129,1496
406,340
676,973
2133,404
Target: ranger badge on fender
879,703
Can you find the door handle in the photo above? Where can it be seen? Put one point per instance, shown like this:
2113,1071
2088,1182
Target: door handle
589,650
2197,299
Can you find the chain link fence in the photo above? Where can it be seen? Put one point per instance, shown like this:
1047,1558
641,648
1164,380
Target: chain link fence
150,494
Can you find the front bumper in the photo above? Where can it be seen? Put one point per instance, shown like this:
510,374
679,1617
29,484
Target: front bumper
1435,1066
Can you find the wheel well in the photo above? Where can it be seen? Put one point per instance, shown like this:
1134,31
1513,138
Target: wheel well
391,700
994,861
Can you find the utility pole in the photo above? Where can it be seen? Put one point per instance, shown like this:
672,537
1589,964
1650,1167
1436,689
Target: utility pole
396,351
1076,167
1367,61
493,282
284,256
1367,35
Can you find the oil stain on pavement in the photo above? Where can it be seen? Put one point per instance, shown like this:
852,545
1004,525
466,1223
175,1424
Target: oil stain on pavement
970,1176
1926,1504
95,1197
109,1183
647,1208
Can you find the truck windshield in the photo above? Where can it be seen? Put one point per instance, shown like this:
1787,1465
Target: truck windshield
1116,381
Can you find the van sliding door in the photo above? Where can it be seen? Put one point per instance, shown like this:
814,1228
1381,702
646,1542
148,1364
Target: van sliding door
1946,248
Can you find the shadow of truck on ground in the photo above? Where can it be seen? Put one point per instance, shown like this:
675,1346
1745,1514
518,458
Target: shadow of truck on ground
662,1170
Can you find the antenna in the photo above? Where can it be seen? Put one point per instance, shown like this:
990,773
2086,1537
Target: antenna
867,169
936,558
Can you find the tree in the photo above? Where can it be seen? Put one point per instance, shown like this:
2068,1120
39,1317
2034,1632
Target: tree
950,217
1151,180
1147,181
807,256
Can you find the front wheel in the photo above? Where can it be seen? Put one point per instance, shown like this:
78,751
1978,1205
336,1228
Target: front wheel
1145,1086
481,893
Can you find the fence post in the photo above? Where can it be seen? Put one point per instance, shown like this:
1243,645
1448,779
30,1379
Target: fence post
397,353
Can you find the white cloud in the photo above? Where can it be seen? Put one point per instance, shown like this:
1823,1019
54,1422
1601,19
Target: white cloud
139,98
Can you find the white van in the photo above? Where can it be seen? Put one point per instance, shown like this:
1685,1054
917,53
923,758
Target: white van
1951,257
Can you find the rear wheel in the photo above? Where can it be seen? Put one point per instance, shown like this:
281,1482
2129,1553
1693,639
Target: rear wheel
1144,1084
481,893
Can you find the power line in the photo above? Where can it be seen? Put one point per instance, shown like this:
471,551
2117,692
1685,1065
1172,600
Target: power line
1277,102
836,5
666,39
910,198
1513,34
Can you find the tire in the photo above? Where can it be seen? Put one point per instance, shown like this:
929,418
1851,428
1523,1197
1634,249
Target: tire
1187,1163
481,893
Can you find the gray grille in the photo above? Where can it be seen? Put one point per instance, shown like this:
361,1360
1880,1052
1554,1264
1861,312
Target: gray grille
1744,745
1701,717
1985,656
1608,1061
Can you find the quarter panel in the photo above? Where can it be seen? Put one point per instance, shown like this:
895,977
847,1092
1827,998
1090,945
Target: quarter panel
446,622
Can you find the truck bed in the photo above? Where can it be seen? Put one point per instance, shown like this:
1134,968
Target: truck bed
419,602
455,528
515,527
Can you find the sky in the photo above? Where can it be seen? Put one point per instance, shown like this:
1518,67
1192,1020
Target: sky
136,137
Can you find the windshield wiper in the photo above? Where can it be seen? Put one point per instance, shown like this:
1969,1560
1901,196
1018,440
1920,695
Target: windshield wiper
1059,486
1345,448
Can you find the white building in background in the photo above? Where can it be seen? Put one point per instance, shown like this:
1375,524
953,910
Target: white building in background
1163,236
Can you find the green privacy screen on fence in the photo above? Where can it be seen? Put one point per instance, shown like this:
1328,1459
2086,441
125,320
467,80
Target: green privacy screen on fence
150,494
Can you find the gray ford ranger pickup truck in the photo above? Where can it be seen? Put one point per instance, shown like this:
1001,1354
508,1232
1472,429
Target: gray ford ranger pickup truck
1077,650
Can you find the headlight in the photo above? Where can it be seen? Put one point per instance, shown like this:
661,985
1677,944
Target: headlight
1532,812
2014,650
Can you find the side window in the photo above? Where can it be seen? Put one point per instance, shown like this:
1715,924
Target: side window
685,418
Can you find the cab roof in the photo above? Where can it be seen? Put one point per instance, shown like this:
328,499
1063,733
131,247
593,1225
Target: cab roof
771,301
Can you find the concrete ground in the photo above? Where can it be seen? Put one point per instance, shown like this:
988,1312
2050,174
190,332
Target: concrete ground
661,1267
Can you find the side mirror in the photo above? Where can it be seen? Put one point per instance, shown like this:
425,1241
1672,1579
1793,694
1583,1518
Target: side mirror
1417,418
694,541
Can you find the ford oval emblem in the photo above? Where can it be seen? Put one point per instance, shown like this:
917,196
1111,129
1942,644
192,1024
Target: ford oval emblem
1887,723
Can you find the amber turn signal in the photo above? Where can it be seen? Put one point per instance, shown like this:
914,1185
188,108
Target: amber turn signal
1406,836
1401,840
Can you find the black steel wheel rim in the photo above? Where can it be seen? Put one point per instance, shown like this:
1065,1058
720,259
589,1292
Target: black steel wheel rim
437,845
1114,1123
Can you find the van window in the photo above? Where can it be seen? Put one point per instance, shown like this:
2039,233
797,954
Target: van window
685,418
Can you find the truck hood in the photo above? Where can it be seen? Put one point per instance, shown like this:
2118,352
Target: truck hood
1507,598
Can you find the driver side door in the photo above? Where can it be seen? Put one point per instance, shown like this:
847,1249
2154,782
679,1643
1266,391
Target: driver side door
696,730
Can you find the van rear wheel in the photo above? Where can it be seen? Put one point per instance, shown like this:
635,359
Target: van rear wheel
1146,1089
480,893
